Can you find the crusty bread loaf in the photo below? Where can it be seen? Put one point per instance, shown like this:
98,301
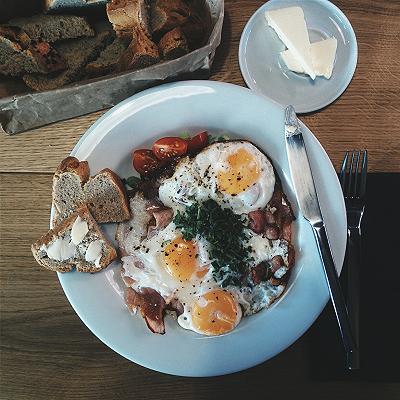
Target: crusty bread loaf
76,241
104,193
107,60
141,53
20,55
173,44
77,53
50,28
106,197
125,15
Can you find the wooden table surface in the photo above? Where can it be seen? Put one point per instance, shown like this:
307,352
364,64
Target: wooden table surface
48,353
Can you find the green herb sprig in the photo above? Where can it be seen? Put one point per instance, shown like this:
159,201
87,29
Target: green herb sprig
224,231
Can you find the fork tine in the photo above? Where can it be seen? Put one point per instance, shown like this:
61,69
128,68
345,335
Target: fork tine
350,182
364,169
342,175
356,175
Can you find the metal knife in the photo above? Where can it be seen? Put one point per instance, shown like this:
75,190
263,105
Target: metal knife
309,206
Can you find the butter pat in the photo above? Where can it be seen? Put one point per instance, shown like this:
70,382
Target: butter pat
322,54
79,230
60,250
93,252
290,26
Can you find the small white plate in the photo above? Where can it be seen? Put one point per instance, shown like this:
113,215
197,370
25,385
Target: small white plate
265,72
218,107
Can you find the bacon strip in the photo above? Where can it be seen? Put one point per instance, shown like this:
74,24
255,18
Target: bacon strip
151,304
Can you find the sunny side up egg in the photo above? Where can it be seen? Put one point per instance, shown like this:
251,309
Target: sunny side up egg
236,174
180,269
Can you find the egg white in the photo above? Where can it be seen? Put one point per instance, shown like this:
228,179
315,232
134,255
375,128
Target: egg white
197,180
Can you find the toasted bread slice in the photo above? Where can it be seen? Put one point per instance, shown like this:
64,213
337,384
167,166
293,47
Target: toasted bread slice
141,53
77,54
51,28
20,55
107,60
167,15
104,193
68,182
173,44
76,242
125,15
106,197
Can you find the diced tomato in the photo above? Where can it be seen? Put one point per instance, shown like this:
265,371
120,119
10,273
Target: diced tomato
145,162
170,147
198,142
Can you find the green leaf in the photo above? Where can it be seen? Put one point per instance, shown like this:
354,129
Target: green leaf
184,135
132,181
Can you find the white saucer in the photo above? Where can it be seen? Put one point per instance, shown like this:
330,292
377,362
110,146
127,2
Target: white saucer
265,72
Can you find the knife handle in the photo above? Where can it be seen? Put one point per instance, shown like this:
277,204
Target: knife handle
336,294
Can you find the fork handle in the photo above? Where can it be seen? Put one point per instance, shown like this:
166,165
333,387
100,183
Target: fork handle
353,284
336,294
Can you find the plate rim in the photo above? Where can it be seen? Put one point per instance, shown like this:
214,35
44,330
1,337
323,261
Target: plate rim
352,61
92,128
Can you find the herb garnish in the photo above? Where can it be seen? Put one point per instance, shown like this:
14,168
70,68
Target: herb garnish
132,181
224,231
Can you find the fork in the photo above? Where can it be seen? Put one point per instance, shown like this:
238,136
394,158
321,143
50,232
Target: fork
353,179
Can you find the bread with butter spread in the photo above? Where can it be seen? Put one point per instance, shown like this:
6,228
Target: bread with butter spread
77,241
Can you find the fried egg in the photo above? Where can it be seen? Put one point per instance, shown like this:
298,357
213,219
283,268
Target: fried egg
235,174
180,269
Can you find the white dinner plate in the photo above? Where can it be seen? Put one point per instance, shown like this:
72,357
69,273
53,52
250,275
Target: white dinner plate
218,107
265,72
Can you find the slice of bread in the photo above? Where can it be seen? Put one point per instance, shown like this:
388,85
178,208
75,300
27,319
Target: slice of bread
20,55
106,197
50,28
141,53
76,242
173,44
168,14
104,193
77,53
107,60
125,15
68,181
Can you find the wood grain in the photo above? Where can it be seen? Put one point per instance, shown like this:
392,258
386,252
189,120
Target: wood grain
365,116
46,352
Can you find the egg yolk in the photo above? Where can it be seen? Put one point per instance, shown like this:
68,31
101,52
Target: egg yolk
180,258
241,173
215,312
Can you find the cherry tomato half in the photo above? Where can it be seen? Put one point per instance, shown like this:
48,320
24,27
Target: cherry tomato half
145,162
170,147
198,142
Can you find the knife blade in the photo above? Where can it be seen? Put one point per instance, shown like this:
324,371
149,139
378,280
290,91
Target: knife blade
309,207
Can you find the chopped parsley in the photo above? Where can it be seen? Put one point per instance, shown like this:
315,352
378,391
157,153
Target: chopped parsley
132,181
225,233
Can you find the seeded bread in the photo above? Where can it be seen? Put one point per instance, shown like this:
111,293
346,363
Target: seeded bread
106,197
20,55
141,53
173,44
125,15
77,54
107,60
104,193
57,251
50,28
68,182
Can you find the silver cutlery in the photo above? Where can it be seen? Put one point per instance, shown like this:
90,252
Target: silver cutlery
309,206
353,179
